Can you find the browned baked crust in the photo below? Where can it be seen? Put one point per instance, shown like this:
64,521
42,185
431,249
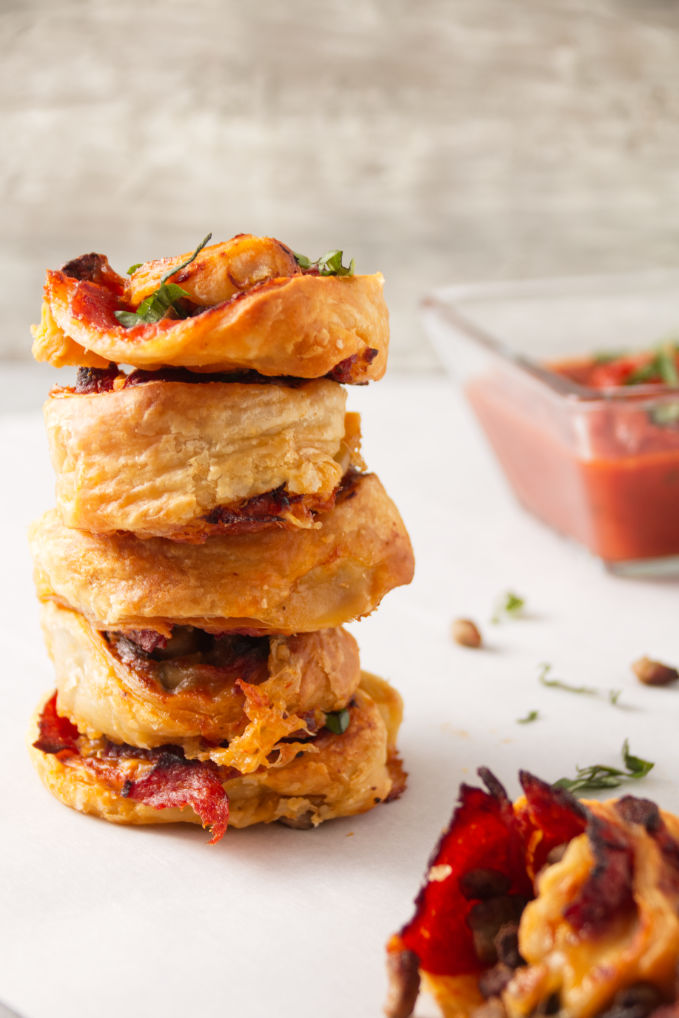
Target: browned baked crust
249,692
172,459
348,774
300,324
271,581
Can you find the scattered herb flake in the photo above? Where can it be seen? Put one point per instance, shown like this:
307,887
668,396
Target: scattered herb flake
163,301
532,715
598,776
545,669
133,268
612,694
338,721
509,605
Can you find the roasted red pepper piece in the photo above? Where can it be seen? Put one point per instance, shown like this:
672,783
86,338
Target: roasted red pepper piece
484,834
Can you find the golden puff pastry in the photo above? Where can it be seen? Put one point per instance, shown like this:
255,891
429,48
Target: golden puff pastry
269,581
296,323
182,460
348,773
248,691
218,272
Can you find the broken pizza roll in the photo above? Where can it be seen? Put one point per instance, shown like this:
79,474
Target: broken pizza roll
269,581
348,772
546,906
183,460
245,304
241,701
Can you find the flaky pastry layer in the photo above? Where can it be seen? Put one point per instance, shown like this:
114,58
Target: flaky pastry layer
260,690
294,323
158,459
271,581
350,773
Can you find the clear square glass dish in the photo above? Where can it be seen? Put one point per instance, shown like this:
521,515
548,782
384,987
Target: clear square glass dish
600,466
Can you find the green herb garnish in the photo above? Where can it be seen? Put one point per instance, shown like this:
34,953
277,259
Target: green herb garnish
133,268
338,721
329,264
663,365
613,694
599,776
532,715
164,300
545,669
667,364
644,373
509,606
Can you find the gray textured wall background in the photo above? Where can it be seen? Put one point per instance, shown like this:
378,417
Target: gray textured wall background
436,140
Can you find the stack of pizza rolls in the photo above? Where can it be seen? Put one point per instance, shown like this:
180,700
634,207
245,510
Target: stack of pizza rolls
215,527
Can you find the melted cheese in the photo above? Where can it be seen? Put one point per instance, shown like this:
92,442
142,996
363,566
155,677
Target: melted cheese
587,970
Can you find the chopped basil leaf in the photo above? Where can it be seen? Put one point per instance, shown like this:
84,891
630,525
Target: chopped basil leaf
128,318
509,605
133,268
338,721
163,301
532,715
329,264
173,271
154,307
598,776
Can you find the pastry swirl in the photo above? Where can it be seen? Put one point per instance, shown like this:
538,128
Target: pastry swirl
270,581
249,692
274,319
173,459
349,773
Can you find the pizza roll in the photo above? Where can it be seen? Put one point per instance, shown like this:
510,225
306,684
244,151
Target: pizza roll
229,698
181,460
349,772
547,906
245,311
269,581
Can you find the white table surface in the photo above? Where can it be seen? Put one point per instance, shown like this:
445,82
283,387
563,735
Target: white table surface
104,920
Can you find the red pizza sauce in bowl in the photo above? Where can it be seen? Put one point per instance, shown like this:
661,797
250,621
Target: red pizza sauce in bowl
591,446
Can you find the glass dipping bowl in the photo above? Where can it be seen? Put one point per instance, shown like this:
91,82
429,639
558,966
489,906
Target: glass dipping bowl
601,467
